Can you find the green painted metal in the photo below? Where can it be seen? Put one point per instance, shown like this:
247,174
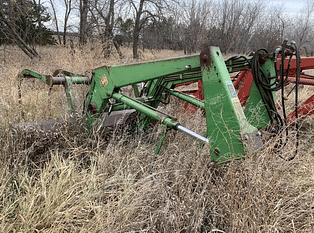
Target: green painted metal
136,90
69,94
227,127
162,138
255,108
66,81
32,74
198,103
156,75
108,79
229,132
151,113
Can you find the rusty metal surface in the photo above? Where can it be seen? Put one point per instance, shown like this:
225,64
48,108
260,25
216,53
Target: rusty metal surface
205,59
116,118
46,126
54,125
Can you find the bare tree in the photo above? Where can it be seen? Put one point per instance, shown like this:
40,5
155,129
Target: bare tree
195,17
55,19
270,29
144,10
304,24
84,8
68,9
234,22
103,14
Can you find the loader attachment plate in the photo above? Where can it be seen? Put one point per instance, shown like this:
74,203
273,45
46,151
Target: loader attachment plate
117,118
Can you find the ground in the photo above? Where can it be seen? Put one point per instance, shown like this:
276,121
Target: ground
69,182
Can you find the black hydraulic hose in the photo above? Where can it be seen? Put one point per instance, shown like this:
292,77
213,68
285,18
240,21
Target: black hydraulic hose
296,104
282,68
297,54
265,87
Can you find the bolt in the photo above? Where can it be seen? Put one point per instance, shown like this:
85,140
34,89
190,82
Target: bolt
216,151
205,58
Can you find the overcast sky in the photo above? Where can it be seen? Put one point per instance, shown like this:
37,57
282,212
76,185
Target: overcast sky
290,6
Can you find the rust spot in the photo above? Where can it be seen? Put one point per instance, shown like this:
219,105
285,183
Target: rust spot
49,80
216,151
263,58
205,59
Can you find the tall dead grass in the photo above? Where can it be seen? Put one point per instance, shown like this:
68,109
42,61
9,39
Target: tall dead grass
69,182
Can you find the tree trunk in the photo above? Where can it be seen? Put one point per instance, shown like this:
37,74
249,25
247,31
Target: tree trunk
83,21
40,41
137,29
56,21
109,22
68,9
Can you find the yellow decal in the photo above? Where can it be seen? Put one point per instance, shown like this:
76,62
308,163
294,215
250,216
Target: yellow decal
103,80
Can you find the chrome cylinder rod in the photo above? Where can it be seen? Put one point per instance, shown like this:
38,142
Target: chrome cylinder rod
193,134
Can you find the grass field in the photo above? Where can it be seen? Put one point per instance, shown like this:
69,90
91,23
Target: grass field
69,182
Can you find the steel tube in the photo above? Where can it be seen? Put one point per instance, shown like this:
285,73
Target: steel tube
74,80
193,134
188,99
140,107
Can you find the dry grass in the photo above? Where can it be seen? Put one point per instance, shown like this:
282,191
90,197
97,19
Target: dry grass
69,182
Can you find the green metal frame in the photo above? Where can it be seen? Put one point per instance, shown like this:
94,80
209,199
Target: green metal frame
255,109
227,126
228,131
67,82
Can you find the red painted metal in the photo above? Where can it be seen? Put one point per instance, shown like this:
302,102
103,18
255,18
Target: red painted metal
307,63
244,90
238,79
304,110
199,93
243,82
302,81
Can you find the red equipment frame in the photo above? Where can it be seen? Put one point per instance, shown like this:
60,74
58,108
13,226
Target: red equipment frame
243,82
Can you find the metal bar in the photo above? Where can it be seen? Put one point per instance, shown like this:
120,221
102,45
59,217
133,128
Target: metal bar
244,90
143,72
188,99
153,114
302,81
305,109
136,91
69,94
307,63
193,134
62,80
162,138
31,74
239,79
